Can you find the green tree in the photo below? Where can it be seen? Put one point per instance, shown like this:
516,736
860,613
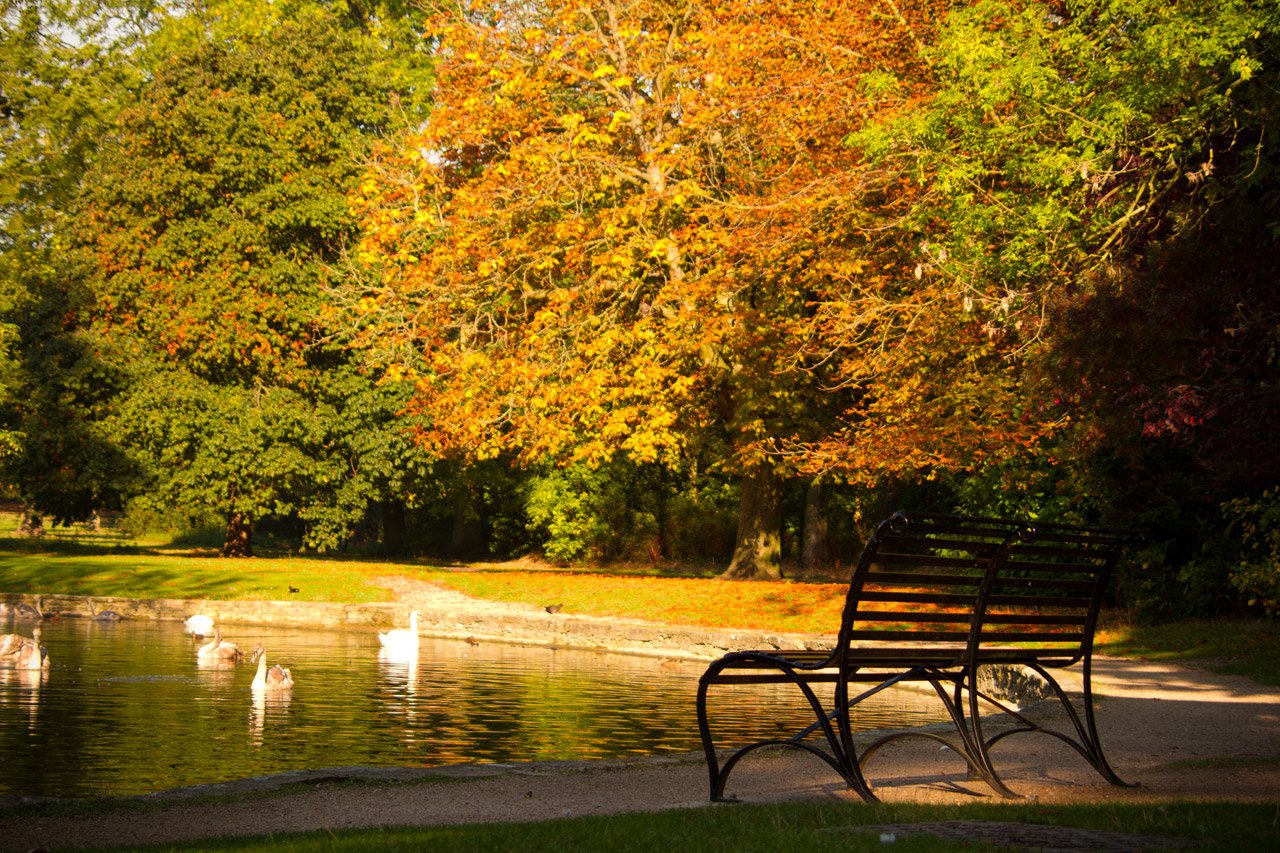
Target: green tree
1098,179
210,227
66,69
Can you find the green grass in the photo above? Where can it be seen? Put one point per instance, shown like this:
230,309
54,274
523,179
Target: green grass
154,574
801,826
1248,647
1235,646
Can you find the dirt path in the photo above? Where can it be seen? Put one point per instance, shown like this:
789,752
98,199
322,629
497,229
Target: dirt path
1182,733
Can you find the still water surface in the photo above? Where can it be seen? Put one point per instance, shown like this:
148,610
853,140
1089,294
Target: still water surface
125,709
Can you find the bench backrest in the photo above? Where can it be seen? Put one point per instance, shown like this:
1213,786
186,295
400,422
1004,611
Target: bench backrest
1045,598
920,583
954,587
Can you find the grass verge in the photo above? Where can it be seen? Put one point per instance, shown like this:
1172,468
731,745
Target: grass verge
1237,646
800,826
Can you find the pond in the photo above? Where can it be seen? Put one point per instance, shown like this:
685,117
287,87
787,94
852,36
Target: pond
125,709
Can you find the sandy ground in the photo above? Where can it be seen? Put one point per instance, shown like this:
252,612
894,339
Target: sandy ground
1180,733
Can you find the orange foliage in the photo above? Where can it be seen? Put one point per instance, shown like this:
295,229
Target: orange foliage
627,223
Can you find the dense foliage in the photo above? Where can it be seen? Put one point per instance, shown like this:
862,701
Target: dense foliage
645,271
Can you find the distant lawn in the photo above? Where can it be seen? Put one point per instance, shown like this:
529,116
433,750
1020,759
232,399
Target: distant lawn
151,573
157,575
1249,647
1238,646
789,606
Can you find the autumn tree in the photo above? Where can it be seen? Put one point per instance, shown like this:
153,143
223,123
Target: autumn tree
637,228
1098,179
209,227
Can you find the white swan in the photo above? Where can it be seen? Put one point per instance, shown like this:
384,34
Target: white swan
401,641
219,649
10,643
198,625
275,678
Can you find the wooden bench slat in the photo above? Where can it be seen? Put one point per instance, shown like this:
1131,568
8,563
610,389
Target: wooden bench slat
908,579
1037,601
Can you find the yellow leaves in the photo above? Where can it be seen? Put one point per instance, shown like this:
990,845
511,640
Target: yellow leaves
661,247
578,264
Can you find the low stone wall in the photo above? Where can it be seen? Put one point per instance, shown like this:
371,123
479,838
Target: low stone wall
450,616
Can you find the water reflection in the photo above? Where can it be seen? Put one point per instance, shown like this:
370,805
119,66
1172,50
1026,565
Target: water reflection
267,707
20,687
127,708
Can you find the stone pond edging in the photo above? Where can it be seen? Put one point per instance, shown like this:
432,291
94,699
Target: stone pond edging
447,616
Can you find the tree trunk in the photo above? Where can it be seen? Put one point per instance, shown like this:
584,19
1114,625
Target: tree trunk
393,526
758,554
813,551
238,541
466,539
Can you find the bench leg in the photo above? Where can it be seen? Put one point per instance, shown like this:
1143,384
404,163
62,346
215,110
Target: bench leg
1085,740
834,755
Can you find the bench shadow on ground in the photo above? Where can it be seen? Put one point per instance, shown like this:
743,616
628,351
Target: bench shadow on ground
1177,733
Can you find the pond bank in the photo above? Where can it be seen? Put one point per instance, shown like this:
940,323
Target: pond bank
444,613
1184,734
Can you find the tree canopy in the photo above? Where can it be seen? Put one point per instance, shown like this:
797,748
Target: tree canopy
210,224
639,227
1006,256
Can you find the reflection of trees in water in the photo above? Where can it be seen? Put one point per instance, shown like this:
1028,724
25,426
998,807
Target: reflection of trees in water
131,706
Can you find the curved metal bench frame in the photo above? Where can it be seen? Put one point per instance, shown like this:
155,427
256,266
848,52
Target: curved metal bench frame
935,598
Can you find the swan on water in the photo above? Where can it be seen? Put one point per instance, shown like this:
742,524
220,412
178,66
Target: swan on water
31,655
11,644
274,678
219,650
401,640
31,611
198,625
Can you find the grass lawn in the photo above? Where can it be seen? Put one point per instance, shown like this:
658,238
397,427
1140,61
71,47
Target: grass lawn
88,567
803,826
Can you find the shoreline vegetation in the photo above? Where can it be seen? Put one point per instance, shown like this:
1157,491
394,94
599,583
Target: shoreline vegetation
1240,646
135,570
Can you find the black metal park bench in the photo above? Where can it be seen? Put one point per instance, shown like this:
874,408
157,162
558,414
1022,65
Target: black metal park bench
936,599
